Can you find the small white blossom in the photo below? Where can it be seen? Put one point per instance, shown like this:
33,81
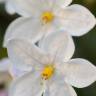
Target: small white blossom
53,69
47,16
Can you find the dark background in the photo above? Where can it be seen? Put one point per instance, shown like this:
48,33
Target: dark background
85,45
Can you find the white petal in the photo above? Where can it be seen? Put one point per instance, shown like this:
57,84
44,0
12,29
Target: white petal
18,71
5,64
56,4
77,20
27,28
63,3
58,44
35,8
27,85
80,73
24,52
9,8
5,74
60,90
30,8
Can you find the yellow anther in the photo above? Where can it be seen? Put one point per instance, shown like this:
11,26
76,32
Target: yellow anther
47,72
47,17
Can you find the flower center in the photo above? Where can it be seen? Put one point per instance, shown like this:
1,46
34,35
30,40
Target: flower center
47,72
47,17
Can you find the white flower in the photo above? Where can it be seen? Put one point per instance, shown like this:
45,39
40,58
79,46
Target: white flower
54,71
8,6
49,16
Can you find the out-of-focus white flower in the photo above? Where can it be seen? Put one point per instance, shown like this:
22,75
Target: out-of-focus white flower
49,16
8,6
54,70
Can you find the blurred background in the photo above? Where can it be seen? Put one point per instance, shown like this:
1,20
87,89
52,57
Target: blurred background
85,45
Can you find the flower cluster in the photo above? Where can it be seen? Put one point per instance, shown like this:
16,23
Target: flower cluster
40,45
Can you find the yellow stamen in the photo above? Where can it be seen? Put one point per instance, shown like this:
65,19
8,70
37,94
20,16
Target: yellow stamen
47,72
47,17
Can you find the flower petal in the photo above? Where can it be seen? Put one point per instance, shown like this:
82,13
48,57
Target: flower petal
29,84
35,8
15,71
30,8
26,28
64,90
5,64
80,73
24,52
77,20
20,71
58,44
56,4
5,74
9,7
